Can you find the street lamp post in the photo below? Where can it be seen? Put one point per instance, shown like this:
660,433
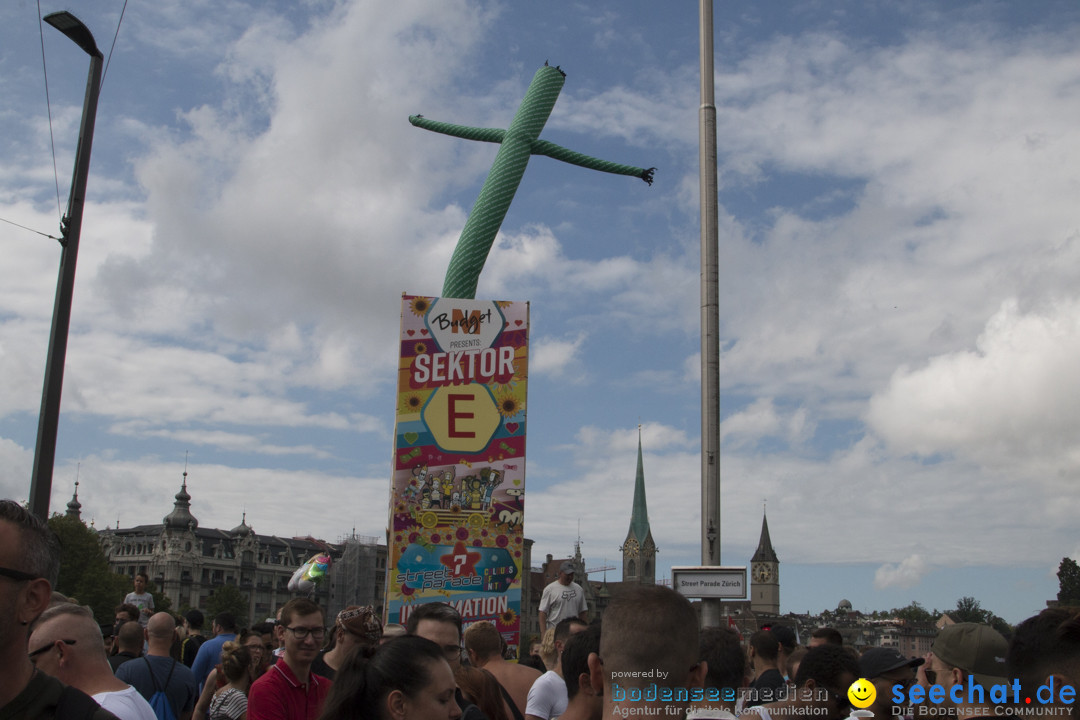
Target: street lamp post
710,316
70,227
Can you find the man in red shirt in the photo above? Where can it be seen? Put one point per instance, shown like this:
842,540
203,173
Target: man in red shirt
289,690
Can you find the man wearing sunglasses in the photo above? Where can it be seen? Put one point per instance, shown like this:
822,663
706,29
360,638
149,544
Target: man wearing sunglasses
66,643
289,690
29,562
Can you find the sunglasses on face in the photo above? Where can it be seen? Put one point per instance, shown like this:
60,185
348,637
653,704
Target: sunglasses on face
42,650
17,575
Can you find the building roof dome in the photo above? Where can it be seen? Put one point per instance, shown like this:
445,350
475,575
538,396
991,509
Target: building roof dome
243,529
181,518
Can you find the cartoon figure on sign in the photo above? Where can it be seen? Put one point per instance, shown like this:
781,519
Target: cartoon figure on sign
436,493
444,486
476,497
310,573
492,480
425,494
420,474
447,489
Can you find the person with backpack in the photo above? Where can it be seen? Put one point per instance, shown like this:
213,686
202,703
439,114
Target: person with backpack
167,684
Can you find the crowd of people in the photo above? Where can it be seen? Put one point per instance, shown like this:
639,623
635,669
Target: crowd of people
647,659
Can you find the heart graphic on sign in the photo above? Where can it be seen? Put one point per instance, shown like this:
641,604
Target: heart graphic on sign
411,437
423,331
511,428
410,333
518,322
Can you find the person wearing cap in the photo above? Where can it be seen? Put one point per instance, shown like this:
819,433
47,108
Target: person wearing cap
968,655
886,668
562,599
356,626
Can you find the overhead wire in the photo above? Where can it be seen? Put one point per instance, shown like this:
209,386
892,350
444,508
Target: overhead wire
112,47
48,105
9,222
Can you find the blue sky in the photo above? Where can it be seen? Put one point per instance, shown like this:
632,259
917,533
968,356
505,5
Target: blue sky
898,243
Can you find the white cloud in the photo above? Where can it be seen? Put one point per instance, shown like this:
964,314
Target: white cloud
1006,402
552,356
907,573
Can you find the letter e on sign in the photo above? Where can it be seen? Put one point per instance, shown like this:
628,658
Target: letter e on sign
462,418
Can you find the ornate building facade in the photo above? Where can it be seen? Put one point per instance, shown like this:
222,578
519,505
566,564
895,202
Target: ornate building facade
188,563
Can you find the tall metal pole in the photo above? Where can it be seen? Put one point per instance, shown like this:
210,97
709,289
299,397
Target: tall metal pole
70,228
710,316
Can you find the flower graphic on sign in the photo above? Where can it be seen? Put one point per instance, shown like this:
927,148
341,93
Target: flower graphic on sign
419,305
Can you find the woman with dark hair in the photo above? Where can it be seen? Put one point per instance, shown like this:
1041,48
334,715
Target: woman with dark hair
407,678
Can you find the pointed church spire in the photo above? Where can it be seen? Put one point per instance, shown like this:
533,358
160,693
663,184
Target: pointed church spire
639,549
764,552
639,516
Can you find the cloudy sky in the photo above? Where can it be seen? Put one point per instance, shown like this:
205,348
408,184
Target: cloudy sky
899,245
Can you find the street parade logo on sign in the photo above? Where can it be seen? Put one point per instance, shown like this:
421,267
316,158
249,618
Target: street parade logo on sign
458,490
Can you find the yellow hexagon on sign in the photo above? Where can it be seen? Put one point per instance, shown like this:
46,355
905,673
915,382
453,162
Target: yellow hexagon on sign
462,418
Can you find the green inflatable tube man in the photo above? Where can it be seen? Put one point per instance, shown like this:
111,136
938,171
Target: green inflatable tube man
516,144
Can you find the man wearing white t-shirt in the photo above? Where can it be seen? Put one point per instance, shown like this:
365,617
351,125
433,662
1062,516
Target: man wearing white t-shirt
66,643
562,599
548,697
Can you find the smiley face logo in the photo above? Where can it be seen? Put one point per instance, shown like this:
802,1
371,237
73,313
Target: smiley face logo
862,693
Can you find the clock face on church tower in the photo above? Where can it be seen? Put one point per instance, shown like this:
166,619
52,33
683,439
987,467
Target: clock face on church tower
761,572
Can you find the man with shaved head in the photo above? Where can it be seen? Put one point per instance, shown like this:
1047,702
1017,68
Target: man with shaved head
648,659
157,670
129,643
66,643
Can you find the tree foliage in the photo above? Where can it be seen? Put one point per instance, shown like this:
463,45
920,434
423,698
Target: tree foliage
1068,582
84,570
968,609
914,612
228,598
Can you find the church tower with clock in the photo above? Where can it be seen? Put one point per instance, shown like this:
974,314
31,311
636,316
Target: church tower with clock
765,574
639,550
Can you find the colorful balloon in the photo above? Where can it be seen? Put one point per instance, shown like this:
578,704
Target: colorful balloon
312,572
